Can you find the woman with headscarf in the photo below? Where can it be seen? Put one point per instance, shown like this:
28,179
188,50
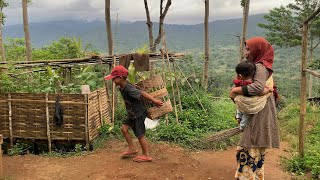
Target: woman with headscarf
262,132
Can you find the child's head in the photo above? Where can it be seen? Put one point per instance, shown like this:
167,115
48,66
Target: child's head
246,69
118,74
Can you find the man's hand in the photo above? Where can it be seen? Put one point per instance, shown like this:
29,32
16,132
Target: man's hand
158,102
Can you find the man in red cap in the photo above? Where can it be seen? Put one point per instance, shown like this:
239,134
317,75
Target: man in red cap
136,113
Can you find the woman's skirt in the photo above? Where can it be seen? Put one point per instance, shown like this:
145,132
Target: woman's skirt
250,163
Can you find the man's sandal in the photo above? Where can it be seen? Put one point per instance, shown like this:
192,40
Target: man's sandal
142,158
129,153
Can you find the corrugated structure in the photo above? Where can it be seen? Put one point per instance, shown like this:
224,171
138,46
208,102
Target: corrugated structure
31,116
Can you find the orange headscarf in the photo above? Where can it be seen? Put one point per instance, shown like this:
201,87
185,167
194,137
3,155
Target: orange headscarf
262,51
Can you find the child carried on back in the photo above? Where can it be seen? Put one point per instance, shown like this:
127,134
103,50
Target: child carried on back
246,106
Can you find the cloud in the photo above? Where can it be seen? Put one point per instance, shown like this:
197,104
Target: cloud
180,12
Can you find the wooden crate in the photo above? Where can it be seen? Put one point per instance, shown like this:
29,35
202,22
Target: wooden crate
31,116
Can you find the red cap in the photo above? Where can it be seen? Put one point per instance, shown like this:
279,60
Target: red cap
117,71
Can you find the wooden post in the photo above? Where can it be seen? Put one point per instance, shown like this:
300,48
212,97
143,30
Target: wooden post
87,121
48,124
244,27
303,90
206,45
1,168
10,120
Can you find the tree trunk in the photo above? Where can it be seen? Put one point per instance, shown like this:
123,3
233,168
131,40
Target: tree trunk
108,26
161,20
149,24
26,29
244,27
206,51
3,53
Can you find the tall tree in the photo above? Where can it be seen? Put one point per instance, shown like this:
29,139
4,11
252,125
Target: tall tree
284,26
26,29
283,23
3,4
108,26
149,24
163,14
206,44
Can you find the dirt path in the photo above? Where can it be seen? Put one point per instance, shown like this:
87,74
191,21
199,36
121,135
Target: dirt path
170,162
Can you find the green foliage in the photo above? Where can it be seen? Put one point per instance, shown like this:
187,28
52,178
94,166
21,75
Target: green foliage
284,22
18,149
50,79
283,30
194,122
289,122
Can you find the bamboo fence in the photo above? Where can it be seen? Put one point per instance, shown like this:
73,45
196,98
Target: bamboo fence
31,116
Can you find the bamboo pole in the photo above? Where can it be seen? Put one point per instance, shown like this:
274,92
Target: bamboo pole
303,90
164,80
48,124
154,57
177,86
169,68
87,113
191,88
100,108
41,101
314,73
10,120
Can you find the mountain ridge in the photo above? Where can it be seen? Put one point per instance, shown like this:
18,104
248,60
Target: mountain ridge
131,35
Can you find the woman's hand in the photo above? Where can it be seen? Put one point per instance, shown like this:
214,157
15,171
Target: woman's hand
235,91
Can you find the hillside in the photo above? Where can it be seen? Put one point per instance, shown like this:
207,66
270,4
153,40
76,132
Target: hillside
132,35
180,38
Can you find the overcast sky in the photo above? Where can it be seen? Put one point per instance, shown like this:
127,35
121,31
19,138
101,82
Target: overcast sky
180,12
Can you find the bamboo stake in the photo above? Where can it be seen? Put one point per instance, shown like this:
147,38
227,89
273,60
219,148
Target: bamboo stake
10,120
191,88
303,90
100,108
177,86
87,113
164,80
48,124
169,68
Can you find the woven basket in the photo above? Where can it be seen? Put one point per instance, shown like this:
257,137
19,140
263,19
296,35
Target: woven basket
155,87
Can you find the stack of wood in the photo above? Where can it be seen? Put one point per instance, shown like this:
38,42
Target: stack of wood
1,141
